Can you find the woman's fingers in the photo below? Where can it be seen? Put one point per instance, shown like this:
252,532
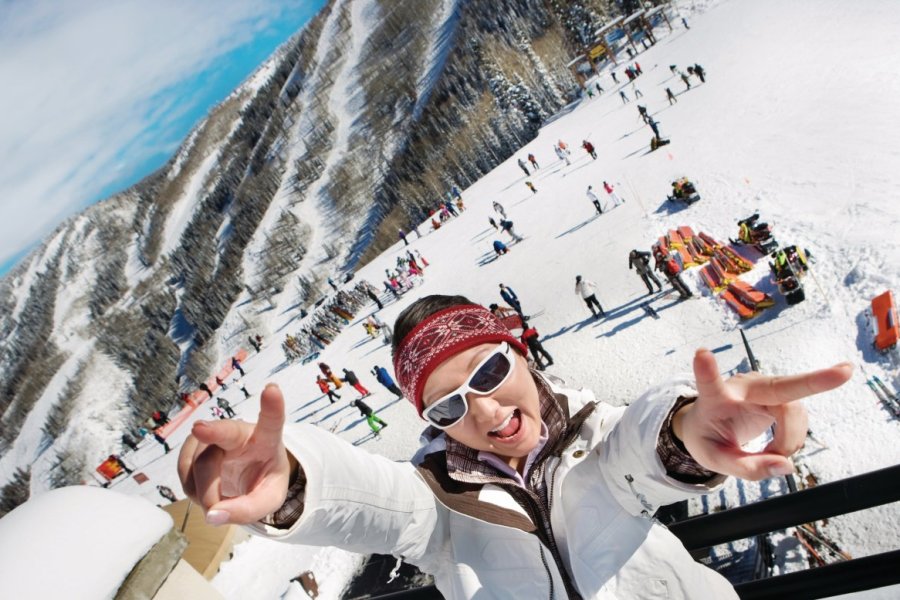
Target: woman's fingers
271,416
706,373
228,435
787,388
186,463
263,500
745,465
790,429
207,472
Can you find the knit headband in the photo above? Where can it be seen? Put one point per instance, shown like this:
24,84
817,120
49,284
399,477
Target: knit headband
440,336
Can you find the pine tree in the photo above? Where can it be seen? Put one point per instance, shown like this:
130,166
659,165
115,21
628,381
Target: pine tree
17,491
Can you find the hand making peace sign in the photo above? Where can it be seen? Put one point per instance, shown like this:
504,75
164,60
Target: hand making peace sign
728,413
238,472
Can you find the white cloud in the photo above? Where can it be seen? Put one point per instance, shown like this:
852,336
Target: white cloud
83,85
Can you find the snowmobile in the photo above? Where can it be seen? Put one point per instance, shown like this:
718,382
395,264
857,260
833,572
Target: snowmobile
683,190
753,233
788,266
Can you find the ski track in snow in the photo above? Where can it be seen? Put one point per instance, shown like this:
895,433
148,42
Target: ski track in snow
775,130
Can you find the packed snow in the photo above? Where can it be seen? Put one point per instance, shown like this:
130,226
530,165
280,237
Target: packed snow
795,120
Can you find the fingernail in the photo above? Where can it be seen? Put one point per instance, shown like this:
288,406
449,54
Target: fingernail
217,517
779,470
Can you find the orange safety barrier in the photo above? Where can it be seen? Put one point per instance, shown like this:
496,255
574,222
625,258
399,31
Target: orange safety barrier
887,328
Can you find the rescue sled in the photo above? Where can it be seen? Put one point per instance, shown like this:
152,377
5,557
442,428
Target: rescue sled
885,323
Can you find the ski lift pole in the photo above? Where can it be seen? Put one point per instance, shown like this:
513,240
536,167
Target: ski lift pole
821,291
634,194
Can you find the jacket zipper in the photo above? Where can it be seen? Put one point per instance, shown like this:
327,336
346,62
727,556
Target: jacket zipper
547,570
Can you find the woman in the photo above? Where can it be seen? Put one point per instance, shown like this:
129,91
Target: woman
526,489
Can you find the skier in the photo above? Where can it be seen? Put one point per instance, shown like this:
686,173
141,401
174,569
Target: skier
455,192
524,167
588,291
643,112
421,258
351,378
531,187
244,391
624,97
640,261
599,89
671,97
493,223
236,364
561,154
226,406
371,418
673,68
205,388
612,194
509,296
402,236
450,208
654,125
499,208
563,146
637,93
594,198
326,388
161,440
533,161
590,92
332,284
637,68
672,270
507,226
686,81
384,378
221,383
589,148
167,493
129,441
700,72
685,23
374,297
118,460
613,73
530,338
500,248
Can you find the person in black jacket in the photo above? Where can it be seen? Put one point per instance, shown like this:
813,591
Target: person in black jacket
351,378
640,261
372,419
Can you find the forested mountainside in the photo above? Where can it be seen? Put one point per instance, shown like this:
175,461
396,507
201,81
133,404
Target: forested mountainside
354,128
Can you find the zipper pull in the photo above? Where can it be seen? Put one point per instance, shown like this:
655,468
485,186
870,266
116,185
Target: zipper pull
641,498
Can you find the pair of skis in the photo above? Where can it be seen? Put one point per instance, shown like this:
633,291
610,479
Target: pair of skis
885,395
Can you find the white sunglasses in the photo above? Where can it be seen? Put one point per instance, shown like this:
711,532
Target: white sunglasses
491,373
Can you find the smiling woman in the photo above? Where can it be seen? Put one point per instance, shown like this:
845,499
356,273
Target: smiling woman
527,488
127,81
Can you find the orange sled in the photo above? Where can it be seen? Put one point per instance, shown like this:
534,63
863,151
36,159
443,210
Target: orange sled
887,329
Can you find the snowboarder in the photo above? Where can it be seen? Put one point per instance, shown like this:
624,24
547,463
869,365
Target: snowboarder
612,194
700,72
226,406
326,388
351,378
236,364
402,236
509,296
493,223
531,187
589,148
640,261
561,154
507,226
524,167
371,418
500,248
499,208
326,371
624,97
533,161
531,338
384,378
672,270
595,199
167,493
588,291
671,97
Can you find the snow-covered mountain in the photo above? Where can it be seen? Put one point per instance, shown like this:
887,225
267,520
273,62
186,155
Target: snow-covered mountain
352,129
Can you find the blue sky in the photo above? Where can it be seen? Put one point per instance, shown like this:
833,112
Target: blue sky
98,94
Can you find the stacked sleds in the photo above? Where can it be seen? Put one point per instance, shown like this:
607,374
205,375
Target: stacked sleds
722,276
688,249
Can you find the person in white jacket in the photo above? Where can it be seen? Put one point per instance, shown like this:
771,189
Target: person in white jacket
588,291
595,199
525,489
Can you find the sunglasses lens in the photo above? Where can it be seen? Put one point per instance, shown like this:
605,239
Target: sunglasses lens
448,412
491,374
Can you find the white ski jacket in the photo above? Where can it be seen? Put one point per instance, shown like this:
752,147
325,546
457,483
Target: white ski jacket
478,542
586,288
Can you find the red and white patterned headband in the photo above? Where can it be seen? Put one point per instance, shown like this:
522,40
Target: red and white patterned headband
440,336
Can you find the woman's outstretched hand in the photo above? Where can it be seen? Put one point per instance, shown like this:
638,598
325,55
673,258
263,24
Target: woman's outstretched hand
729,413
238,472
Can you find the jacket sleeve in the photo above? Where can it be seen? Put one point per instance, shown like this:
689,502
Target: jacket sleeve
359,501
628,457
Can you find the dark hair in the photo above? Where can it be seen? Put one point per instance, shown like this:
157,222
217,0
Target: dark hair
420,310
